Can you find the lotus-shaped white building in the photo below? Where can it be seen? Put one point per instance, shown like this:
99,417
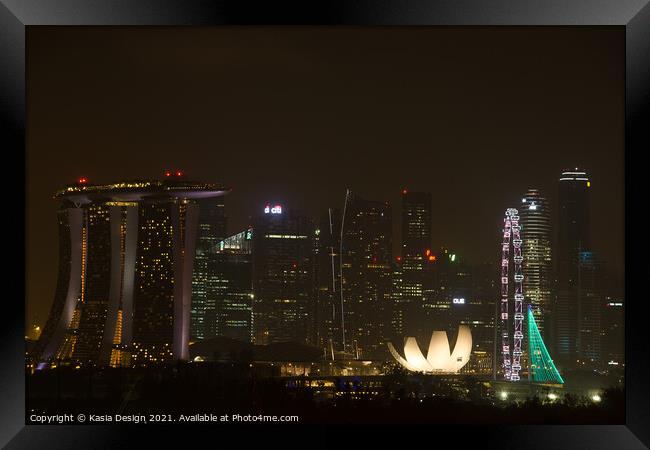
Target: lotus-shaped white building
439,358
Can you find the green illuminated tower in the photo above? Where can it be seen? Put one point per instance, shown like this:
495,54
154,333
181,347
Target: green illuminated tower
541,365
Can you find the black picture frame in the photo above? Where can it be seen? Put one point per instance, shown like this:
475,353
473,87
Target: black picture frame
634,15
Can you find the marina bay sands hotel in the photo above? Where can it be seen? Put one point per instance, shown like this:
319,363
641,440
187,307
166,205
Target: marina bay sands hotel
124,285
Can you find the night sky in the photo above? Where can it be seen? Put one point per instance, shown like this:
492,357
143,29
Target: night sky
295,115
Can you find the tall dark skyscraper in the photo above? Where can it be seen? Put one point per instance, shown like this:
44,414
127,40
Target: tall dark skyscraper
212,229
416,275
229,288
535,222
462,294
366,262
613,332
123,293
573,238
591,297
283,276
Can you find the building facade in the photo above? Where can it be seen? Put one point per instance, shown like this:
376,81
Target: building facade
573,237
328,283
366,281
124,287
535,222
613,332
590,299
212,230
416,259
283,276
228,309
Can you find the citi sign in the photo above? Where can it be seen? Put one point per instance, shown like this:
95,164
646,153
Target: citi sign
277,209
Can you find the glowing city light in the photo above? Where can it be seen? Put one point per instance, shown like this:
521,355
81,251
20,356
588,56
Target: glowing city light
596,398
552,396
511,360
541,365
439,357
277,209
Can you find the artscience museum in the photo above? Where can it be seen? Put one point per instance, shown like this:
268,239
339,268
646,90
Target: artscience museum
439,358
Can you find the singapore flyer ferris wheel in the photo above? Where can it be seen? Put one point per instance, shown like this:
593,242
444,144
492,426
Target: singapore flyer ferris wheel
511,354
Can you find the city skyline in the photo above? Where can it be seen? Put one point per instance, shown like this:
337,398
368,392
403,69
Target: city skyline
132,253
398,252
462,134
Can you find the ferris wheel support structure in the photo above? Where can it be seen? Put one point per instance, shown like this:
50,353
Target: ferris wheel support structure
511,355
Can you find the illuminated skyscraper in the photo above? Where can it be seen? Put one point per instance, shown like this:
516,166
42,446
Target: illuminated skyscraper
397,319
126,256
573,238
535,222
229,288
283,284
415,263
366,262
212,229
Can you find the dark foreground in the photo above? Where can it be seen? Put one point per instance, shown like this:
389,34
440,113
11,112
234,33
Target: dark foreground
229,389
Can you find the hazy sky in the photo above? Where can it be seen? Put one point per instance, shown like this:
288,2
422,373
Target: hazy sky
295,115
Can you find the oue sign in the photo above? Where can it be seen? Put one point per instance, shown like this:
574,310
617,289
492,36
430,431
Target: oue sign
459,301
277,209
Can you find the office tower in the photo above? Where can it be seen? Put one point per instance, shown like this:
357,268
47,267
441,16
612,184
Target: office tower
229,288
212,230
126,256
283,284
415,262
463,294
613,332
590,303
438,301
573,230
458,289
535,222
366,261
328,284
398,329
484,302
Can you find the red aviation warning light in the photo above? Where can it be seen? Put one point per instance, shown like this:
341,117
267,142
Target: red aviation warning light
83,180
405,191
174,173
